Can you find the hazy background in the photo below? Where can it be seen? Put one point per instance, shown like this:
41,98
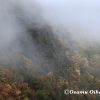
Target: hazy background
80,17
15,19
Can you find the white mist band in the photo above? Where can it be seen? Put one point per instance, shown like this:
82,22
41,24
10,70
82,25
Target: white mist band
70,92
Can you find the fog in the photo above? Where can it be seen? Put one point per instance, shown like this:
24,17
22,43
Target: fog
79,17
15,18
24,35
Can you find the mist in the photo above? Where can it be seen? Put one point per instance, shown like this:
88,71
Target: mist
80,18
15,19
26,35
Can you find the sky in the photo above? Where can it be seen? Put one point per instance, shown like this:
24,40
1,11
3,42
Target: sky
78,16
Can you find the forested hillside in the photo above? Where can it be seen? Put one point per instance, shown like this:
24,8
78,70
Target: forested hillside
63,67
39,59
